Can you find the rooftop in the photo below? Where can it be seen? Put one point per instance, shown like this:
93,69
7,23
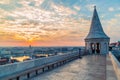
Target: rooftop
91,67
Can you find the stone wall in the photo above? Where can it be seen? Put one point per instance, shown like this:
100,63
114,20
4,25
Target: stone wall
116,65
21,66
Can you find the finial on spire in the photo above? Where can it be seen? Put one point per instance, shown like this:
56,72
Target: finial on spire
94,7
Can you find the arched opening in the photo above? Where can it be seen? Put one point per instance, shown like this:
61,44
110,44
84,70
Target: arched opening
98,48
93,48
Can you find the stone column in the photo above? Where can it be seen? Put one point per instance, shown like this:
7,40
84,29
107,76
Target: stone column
95,47
101,49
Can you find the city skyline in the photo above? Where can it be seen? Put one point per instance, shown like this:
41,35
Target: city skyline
55,22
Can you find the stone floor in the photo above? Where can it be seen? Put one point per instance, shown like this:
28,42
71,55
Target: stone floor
92,67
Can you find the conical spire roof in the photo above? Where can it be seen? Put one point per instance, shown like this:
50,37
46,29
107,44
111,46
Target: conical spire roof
96,30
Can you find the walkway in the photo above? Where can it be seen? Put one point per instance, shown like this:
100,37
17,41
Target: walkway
88,68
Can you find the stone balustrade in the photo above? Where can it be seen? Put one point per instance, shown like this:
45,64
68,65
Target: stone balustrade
14,68
116,65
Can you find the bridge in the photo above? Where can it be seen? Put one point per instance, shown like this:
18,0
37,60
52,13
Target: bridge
64,67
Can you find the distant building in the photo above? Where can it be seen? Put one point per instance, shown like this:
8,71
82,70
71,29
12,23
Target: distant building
31,50
115,45
30,46
5,52
3,61
96,42
118,44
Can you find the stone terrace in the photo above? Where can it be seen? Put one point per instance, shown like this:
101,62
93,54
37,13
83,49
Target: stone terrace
91,67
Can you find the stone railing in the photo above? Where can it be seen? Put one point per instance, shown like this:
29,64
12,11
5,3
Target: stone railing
16,70
116,65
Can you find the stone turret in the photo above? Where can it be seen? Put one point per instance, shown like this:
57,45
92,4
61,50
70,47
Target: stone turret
96,42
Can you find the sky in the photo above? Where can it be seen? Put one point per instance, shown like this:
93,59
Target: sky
55,22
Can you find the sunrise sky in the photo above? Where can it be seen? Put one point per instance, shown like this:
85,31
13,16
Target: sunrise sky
55,22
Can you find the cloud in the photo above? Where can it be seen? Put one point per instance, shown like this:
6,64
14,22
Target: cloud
113,28
3,13
33,23
63,11
38,2
112,21
49,31
77,7
117,15
5,1
90,7
111,9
